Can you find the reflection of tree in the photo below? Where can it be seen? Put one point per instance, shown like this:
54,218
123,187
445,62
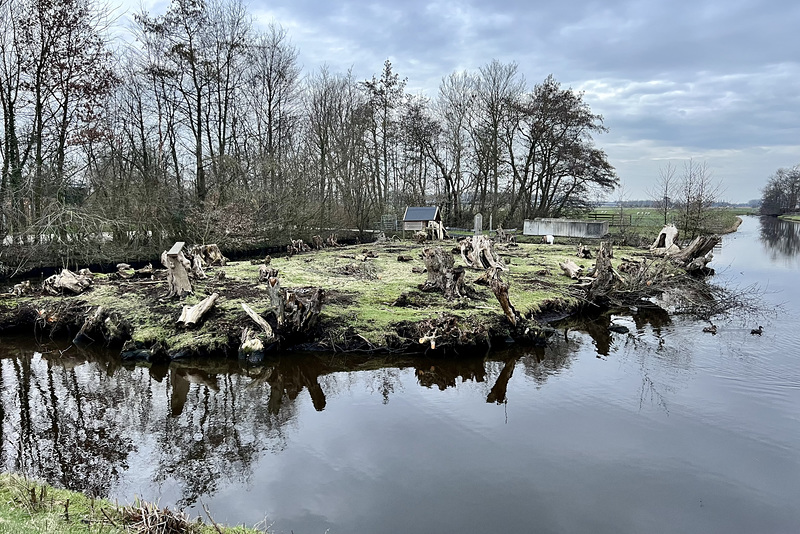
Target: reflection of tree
782,238
62,426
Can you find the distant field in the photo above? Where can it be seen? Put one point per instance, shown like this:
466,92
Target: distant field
647,222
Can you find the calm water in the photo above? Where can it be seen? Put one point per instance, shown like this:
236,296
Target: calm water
666,429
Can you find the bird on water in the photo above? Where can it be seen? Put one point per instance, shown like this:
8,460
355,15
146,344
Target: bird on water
757,331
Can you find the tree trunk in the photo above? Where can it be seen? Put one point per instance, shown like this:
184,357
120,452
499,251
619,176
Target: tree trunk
500,290
571,269
177,272
191,315
603,274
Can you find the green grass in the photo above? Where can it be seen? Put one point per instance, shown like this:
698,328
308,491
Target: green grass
28,507
645,223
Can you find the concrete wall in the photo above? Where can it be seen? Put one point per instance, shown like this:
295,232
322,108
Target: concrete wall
565,228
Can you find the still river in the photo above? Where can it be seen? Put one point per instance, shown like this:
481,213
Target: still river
664,429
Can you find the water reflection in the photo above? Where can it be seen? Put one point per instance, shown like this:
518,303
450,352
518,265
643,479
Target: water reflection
780,238
75,417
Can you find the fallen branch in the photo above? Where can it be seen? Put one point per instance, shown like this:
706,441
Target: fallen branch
191,315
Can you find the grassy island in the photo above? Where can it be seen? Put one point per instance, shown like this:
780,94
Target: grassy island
369,296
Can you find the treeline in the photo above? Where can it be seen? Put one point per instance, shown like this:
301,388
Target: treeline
205,127
781,194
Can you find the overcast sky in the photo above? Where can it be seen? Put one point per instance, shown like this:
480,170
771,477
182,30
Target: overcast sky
710,80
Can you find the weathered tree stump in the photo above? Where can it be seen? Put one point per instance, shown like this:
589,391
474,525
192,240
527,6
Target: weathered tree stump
296,247
698,248
500,290
300,314
66,280
583,252
23,288
442,276
664,244
191,315
505,237
177,271
332,241
276,298
571,269
265,273
209,254
478,253
197,271
317,242
604,274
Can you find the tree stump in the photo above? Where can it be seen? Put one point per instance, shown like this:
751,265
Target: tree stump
66,280
210,254
571,269
276,298
177,271
265,273
500,290
478,253
698,248
301,314
604,274
317,242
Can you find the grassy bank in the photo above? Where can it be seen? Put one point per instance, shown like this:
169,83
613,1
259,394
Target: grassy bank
360,296
28,507
641,225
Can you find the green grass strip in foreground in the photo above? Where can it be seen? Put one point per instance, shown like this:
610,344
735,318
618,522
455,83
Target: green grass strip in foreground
28,507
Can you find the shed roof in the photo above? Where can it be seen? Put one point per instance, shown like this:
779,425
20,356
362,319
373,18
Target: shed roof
426,213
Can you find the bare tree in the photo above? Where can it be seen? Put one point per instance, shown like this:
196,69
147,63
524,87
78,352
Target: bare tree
697,194
664,190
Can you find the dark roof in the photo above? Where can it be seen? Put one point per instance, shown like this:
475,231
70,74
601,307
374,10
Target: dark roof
428,213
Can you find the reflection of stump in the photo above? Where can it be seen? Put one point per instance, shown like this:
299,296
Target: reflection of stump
178,268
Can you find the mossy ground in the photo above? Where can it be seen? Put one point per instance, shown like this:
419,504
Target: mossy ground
359,294
28,507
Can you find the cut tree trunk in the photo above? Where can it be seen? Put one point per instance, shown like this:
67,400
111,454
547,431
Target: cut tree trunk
265,273
191,315
317,242
178,267
571,269
604,275
210,254
276,298
500,290
698,248
66,280
301,314
583,252
478,253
